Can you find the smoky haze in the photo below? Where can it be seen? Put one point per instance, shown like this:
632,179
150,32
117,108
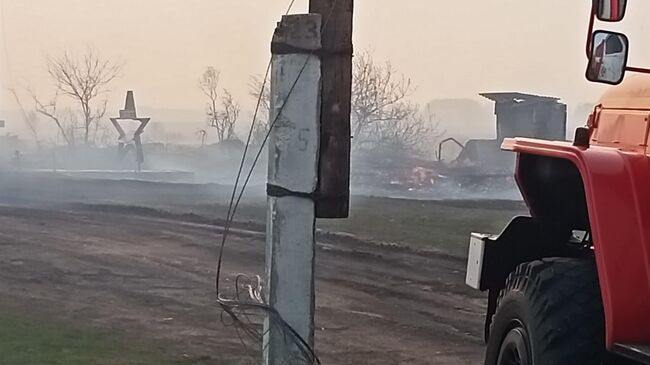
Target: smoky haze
171,248
450,50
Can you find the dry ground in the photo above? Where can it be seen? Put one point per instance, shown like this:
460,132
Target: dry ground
147,274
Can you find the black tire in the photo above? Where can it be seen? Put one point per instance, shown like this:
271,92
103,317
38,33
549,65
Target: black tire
549,313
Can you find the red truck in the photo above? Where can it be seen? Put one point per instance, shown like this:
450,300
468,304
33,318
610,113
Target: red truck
570,283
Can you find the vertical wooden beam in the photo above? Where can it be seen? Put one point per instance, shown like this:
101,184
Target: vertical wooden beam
336,69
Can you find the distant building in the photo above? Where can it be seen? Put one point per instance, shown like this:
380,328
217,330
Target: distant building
525,115
518,115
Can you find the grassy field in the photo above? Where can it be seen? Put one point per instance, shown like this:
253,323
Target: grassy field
443,225
26,340
440,224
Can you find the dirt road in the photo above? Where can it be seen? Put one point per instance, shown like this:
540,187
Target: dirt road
152,276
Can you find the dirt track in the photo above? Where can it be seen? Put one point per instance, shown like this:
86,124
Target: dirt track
152,276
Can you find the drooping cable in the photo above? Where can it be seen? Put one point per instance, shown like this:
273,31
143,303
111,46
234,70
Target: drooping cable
237,308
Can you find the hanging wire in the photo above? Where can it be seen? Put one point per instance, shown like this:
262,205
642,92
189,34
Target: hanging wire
242,312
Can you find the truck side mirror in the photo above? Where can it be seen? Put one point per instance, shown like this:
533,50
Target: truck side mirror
610,10
608,58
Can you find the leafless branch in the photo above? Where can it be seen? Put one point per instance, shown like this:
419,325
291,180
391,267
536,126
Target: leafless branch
29,118
378,95
382,115
224,120
83,79
414,133
257,86
209,86
49,110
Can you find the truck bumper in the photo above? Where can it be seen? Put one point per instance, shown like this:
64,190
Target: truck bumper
492,257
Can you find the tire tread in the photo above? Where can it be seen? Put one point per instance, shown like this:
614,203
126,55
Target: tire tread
566,320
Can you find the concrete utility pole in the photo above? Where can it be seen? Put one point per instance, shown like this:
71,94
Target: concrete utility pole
309,161
292,180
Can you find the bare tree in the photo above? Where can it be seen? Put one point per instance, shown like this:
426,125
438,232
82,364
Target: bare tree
225,119
413,134
378,95
382,115
209,86
83,79
49,110
73,125
260,91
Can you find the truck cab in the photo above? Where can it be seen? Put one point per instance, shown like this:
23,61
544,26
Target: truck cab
570,282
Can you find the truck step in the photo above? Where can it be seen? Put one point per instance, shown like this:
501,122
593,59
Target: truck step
640,353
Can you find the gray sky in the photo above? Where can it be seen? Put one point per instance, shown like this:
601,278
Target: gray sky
449,48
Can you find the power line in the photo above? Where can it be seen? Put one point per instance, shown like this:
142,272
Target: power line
236,307
231,212
289,7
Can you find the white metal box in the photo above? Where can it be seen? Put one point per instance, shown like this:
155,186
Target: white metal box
475,260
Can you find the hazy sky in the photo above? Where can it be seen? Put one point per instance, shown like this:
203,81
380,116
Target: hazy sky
449,48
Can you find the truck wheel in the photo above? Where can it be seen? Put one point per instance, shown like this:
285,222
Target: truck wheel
549,313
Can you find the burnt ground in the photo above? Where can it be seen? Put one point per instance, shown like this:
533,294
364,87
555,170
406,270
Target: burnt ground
151,275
